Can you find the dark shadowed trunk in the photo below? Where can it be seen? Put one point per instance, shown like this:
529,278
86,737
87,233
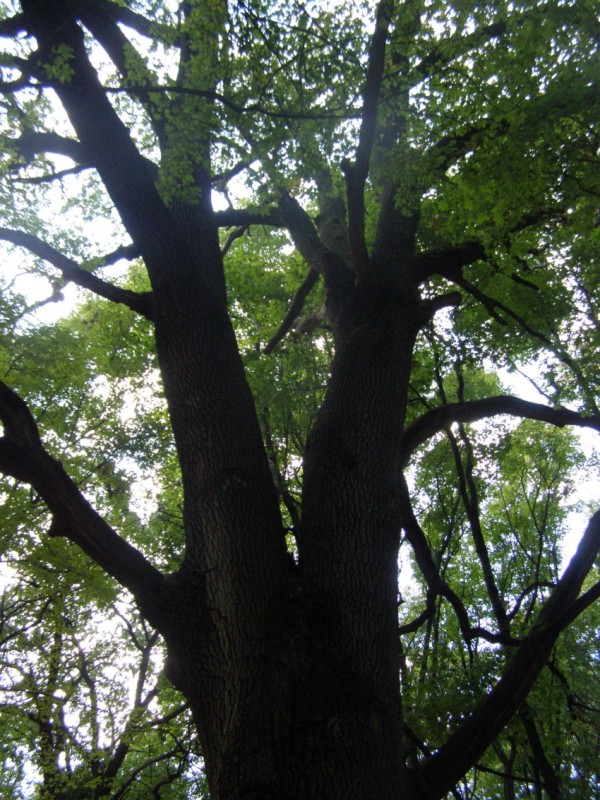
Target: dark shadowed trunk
289,656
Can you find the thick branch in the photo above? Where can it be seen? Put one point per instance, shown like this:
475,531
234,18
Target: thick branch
140,24
495,710
23,456
338,277
30,143
12,26
356,174
99,19
437,419
124,251
303,232
234,217
141,303
447,261
106,139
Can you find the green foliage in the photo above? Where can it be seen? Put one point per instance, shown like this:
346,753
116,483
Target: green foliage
488,120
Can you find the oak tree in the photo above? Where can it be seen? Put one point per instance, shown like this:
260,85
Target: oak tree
411,189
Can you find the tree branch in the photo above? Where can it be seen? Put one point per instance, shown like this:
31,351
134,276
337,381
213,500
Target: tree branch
463,749
356,174
455,47
240,217
140,303
437,419
99,18
30,143
294,310
12,26
22,455
437,585
338,277
104,136
137,22
447,261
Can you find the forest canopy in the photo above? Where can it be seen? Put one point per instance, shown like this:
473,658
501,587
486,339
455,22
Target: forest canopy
299,386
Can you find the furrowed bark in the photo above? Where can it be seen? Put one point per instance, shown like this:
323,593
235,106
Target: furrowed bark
349,538
235,565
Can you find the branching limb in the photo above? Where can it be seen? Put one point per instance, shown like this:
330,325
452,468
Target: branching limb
356,174
31,143
447,261
23,456
141,303
141,24
468,743
435,582
437,419
339,279
107,140
100,21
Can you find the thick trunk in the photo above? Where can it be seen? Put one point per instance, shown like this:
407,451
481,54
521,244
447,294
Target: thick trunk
297,694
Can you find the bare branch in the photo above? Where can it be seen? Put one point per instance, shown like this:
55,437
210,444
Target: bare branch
437,419
23,456
71,271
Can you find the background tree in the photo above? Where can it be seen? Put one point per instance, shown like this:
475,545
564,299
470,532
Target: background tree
273,432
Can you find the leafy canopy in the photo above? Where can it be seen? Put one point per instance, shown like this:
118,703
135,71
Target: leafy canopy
481,127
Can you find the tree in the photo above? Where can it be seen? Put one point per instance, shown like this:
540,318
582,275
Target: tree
435,166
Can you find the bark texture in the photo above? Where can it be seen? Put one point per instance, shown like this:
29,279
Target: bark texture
290,665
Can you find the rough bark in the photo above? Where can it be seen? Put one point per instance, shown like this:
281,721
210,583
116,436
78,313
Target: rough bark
291,667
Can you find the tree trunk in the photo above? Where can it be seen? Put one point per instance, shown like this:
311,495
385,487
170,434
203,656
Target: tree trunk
300,697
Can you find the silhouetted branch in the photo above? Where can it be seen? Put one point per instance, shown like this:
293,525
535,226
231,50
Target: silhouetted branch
71,271
22,455
294,310
356,174
437,419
